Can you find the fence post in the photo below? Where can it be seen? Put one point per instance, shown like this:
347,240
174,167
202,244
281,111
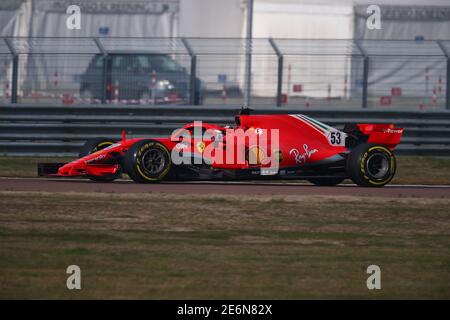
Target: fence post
248,55
15,70
447,85
365,73
365,82
280,71
193,81
193,78
15,79
104,84
105,68
280,81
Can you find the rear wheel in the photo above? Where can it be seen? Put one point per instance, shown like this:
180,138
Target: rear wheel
92,146
371,165
147,161
326,182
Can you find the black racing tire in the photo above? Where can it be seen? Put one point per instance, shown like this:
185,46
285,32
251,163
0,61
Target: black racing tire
326,182
94,145
371,165
147,161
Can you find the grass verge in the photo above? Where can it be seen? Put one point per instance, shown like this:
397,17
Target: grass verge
178,247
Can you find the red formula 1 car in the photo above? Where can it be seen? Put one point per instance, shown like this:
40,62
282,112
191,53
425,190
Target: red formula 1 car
275,146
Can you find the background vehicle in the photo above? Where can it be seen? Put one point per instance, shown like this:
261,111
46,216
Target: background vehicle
133,74
307,149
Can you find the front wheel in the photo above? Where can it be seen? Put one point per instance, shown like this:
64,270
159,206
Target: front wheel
147,161
371,165
92,146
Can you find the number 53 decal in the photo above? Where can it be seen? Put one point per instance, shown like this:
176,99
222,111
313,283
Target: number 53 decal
336,138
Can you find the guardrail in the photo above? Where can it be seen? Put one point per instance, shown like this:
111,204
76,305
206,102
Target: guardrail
30,130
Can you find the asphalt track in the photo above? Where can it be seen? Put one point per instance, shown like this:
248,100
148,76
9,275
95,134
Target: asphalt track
235,188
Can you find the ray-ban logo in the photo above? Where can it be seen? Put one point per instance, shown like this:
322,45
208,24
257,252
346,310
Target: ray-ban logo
301,157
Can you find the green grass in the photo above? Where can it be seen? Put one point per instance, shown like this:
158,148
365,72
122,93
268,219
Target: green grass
171,246
410,169
24,166
422,170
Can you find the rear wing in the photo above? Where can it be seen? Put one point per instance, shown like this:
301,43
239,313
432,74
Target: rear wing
384,134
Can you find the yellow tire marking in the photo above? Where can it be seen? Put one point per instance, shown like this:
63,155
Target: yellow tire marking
106,142
391,169
146,146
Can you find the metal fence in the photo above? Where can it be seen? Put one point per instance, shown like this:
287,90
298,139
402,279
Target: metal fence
374,74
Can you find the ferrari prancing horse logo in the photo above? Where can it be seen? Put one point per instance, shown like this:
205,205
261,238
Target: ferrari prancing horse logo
201,146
